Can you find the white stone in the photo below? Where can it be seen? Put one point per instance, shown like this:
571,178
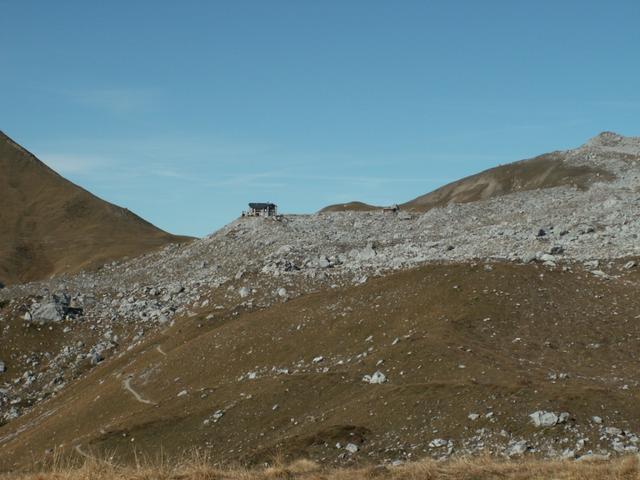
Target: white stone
544,419
351,448
438,443
377,378
517,448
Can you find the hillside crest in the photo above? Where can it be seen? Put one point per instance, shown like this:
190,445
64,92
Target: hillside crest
52,226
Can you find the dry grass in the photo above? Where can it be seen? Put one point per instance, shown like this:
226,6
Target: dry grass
474,468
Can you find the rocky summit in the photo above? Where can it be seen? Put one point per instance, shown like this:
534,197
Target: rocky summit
499,314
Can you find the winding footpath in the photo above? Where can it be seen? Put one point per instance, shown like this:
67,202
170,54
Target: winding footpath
127,386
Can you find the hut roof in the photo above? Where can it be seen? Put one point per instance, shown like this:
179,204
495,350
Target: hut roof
262,206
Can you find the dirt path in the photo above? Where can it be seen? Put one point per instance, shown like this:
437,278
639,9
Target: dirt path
160,351
82,453
127,386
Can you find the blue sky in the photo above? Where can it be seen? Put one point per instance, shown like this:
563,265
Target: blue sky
185,111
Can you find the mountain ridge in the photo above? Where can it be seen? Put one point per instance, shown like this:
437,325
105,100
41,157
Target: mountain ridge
542,171
504,326
53,226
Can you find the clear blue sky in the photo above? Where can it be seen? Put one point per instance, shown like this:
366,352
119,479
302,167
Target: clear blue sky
185,111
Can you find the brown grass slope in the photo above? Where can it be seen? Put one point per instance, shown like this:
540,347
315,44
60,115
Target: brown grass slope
509,326
351,207
49,226
545,171
476,468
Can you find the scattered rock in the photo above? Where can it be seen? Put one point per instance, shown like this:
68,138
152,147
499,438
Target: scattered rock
556,250
52,310
591,264
352,448
95,358
438,443
547,419
517,448
377,378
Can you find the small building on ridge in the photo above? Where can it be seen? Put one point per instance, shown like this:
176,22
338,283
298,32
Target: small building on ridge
261,210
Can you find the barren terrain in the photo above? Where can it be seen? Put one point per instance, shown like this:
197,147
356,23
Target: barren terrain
504,321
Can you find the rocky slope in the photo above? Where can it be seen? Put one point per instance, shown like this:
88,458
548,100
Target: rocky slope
50,225
542,172
512,310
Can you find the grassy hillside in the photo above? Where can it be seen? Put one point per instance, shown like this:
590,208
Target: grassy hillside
545,171
51,226
452,340
351,207
627,468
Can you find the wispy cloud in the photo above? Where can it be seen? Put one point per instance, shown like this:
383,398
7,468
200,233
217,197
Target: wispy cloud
73,164
167,151
271,178
200,163
169,173
115,100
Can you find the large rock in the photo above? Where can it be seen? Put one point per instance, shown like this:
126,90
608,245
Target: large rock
53,310
517,448
377,378
548,419
352,448
543,419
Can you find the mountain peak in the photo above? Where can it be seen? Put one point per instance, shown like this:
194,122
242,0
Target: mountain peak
612,141
68,228
5,138
606,139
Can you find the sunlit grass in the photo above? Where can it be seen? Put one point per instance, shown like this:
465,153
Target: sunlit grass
200,467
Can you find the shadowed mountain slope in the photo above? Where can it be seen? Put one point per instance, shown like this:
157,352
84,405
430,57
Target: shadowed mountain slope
51,226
